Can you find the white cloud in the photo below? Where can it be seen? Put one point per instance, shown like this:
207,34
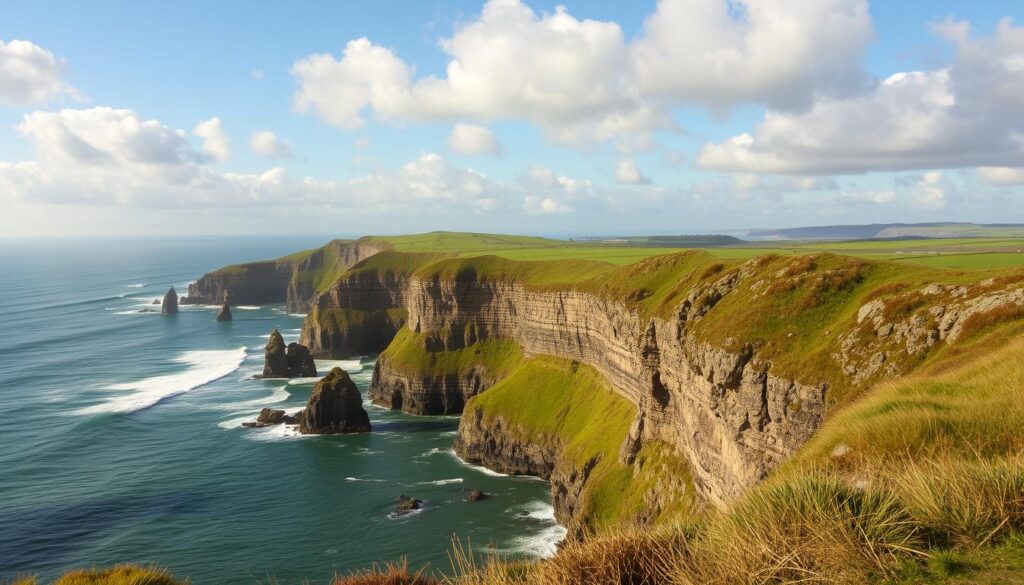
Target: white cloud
966,115
110,157
582,82
266,143
931,190
29,74
627,173
215,141
781,53
532,204
1002,176
471,140
257,74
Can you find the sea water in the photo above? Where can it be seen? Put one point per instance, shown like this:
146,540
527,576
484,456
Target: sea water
122,439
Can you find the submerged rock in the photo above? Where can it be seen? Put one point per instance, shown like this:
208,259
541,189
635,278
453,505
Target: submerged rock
335,406
269,417
293,361
476,496
405,504
170,304
225,310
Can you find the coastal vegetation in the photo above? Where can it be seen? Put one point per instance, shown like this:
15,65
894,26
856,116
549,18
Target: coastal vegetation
907,469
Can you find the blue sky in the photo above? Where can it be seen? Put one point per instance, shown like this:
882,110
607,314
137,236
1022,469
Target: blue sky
183,63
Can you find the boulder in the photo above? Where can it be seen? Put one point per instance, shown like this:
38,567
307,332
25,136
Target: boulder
225,310
405,504
268,417
335,406
300,361
170,304
476,496
275,358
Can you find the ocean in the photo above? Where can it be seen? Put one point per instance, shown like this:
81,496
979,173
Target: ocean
122,441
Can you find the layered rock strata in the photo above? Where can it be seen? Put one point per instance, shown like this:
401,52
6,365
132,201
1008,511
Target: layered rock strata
291,280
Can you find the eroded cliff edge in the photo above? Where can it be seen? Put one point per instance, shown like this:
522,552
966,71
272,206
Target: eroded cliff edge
295,280
729,366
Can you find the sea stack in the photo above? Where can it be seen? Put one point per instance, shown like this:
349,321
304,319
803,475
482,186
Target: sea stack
225,310
335,406
293,361
170,304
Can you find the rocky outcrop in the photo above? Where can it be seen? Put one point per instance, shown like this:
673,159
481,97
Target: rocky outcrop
335,406
418,393
170,302
291,361
359,314
269,417
225,310
492,444
275,357
292,280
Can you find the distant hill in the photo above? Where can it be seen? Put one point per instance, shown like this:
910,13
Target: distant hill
694,241
890,230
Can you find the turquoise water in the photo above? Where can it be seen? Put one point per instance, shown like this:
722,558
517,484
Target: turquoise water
121,439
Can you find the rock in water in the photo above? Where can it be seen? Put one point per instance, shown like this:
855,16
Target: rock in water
335,406
268,417
170,305
476,496
300,361
275,358
225,310
294,361
405,504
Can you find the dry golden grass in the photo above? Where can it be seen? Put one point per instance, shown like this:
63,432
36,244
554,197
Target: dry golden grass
389,574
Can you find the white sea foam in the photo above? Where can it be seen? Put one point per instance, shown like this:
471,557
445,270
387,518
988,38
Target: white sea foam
205,366
434,451
441,481
355,479
544,542
247,307
140,285
280,395
297,381
347,365
479,468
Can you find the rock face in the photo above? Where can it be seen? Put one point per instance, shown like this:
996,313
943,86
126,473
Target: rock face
170,303
293,361
225,309
279,281
425,394
335,406
300,361
275,357
360,314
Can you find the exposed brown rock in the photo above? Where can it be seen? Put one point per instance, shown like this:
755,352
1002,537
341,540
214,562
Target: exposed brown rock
225,310
335,406
476,495
293,361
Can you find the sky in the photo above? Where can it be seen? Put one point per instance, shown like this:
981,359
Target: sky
574,119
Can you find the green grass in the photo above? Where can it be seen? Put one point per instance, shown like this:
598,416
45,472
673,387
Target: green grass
407,353
555,402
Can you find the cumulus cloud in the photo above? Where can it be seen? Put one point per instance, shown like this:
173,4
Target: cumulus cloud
581,81
1002,176
215,141
780,53
532,204
266,143
968,114
627,173
29,74
473,140
106,156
